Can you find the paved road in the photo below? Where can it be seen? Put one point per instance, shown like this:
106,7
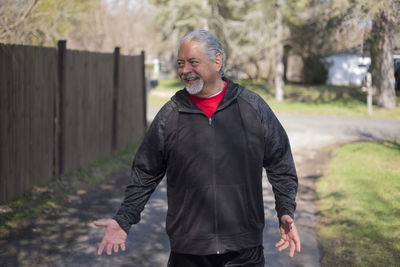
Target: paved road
68,238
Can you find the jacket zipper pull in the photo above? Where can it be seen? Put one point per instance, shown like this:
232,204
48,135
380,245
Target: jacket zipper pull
209,121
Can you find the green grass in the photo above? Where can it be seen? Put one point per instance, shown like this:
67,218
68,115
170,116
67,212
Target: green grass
45,197
299,98
359,203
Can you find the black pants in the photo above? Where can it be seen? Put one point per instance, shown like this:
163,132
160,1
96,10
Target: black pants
250,257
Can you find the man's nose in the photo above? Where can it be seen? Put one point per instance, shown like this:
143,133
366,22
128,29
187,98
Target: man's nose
186,69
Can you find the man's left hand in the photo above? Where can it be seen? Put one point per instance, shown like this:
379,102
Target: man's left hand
289,236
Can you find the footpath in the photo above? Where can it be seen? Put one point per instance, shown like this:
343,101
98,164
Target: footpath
67,236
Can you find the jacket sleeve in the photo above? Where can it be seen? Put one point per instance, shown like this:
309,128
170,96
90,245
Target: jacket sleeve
148,169
278,163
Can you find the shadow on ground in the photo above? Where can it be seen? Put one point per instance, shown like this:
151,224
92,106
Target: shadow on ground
67,237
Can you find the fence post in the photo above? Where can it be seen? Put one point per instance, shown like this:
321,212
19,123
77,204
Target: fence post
59,111
114,133
144,91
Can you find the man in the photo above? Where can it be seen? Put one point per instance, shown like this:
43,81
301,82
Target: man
212,140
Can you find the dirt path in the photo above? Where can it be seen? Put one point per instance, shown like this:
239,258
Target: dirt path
67,237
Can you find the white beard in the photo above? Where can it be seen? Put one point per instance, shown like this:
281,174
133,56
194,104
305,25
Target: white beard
196,88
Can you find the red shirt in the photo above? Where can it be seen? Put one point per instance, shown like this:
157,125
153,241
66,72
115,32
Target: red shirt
209,105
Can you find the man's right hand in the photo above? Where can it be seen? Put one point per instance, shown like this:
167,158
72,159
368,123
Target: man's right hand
113,237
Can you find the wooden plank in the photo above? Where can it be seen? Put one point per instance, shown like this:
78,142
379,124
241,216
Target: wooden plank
126,102
115,100
45,85
70,105
144,94
89,107
4,116
59,108
131,108
19,138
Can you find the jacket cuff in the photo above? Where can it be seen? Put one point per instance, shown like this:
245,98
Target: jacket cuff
284,212
126,226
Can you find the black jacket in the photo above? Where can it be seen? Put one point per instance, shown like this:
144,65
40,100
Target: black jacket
214,171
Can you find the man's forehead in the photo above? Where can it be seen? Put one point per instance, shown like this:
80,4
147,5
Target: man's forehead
191,49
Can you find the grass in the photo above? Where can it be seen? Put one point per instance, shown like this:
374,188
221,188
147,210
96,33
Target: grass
299,98
46,197
359,207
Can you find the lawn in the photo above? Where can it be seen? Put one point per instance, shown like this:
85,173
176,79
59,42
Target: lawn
299,98
358,201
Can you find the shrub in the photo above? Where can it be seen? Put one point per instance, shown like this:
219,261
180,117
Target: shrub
314,71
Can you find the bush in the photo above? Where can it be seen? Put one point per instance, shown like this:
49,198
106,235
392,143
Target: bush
314,71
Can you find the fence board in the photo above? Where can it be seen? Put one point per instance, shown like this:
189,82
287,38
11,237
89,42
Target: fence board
130,101
28,83
87,108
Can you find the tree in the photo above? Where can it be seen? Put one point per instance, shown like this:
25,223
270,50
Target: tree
122,23
40,22
13,20
86,24
383,23
279,91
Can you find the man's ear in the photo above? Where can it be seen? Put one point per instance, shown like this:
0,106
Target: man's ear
218,61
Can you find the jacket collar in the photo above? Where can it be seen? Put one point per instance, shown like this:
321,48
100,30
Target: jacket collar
182,99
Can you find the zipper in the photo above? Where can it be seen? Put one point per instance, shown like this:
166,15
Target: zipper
217,241
210,123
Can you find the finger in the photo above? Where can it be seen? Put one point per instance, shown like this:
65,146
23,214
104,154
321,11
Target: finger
292,247
101,248
280,243
101,223
283,247
298,244
109,249
296,239
122,246
116,248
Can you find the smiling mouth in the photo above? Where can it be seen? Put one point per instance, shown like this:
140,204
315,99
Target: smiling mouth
192,80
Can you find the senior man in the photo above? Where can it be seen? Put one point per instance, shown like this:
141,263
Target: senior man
212,139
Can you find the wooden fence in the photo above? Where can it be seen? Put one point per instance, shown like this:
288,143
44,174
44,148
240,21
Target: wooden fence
61,109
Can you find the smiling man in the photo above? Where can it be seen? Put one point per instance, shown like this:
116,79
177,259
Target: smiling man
212,141
199,69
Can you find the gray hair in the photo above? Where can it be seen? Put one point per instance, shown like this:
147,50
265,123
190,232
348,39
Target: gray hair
212,45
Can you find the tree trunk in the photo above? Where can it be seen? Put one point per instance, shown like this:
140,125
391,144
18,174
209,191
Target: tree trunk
257,73
279,68
382,69
205,15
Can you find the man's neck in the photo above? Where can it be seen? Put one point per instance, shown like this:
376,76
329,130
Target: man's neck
211,89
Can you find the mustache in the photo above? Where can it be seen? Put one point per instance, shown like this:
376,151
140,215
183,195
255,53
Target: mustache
190,75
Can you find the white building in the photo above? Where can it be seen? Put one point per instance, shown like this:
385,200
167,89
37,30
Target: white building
346,69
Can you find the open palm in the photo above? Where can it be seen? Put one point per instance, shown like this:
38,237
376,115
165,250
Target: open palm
114,237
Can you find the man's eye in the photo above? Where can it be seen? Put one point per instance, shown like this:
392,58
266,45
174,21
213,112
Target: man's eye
194,63
180,64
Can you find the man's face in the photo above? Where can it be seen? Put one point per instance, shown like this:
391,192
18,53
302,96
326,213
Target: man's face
195,68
